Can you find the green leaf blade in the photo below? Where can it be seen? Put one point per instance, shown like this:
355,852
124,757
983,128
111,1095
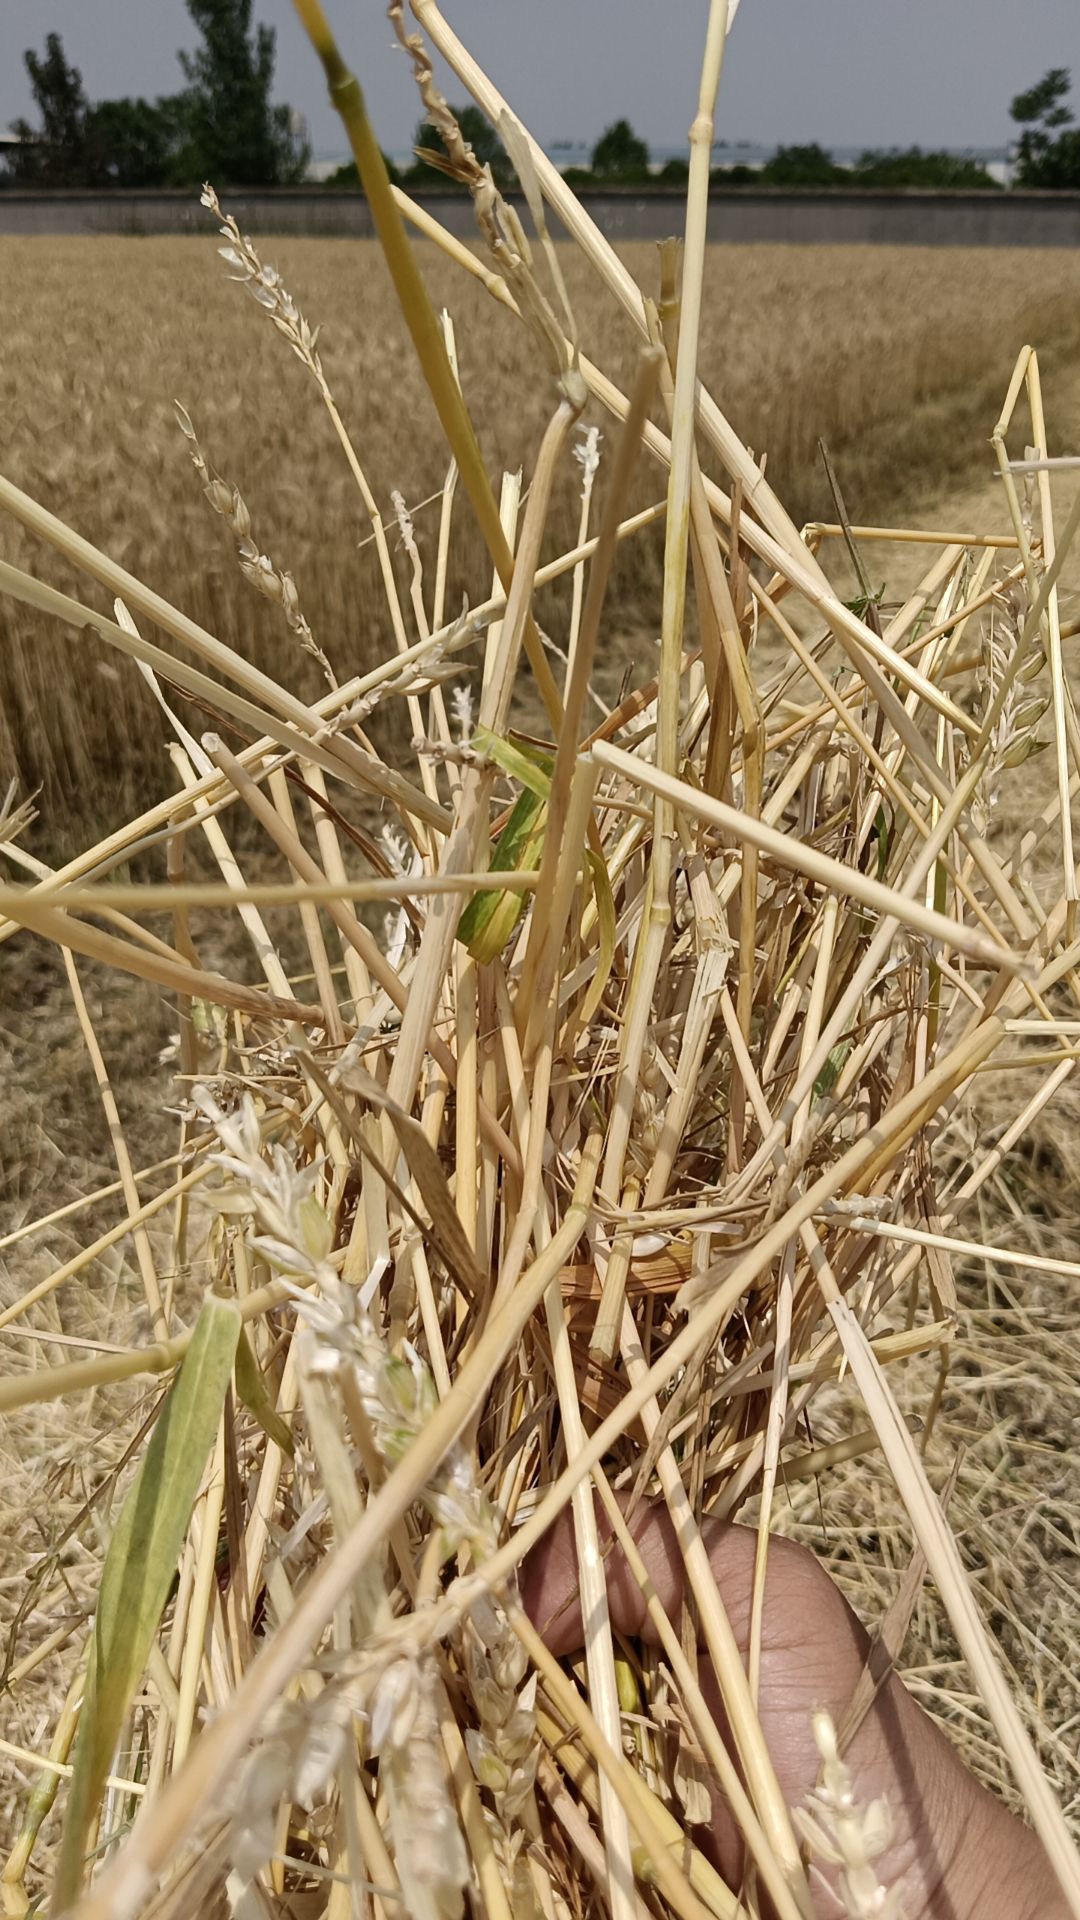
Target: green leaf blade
139,1569
490,917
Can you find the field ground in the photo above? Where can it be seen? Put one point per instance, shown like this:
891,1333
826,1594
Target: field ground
900,361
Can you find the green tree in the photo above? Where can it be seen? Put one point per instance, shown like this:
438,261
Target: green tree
54,154
236,135
740,175
1048,150
914,168
619,154
130,143
477,132
224,126
1060,165
808,166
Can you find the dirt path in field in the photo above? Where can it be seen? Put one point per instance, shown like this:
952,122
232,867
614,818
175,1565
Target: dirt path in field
984,507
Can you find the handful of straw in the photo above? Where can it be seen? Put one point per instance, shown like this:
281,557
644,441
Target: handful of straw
594,1136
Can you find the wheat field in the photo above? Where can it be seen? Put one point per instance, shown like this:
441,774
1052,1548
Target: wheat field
897,357
899,360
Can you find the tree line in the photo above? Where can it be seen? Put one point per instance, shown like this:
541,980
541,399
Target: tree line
1047,155
224,125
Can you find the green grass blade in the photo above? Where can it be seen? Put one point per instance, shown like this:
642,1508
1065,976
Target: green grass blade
421,320
490,917
606,927
831,1071
139,1568
253,1393
527,765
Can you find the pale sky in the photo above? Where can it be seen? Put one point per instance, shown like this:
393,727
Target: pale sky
845,72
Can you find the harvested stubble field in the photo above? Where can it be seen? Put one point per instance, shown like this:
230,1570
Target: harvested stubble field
900,362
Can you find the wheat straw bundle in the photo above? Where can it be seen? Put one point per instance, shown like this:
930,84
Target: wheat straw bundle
589,1116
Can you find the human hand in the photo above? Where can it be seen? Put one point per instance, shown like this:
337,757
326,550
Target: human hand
954,1852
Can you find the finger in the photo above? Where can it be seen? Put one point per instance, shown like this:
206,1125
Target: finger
798,1592
813,1650
549,1577
812,1646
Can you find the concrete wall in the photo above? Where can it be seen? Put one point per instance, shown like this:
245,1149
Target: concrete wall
832,216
